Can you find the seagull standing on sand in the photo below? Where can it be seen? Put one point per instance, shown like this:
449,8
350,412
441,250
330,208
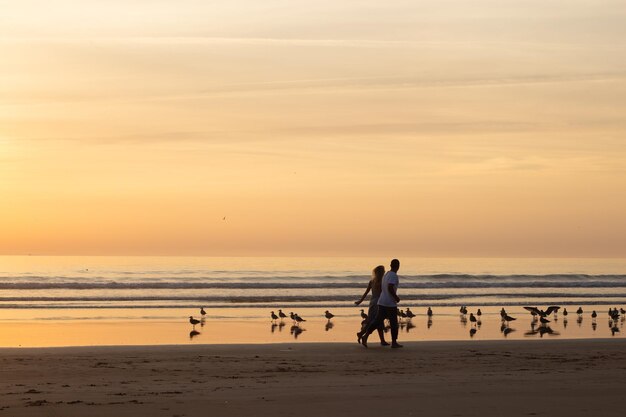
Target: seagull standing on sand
508,319
202,312
472,319
479,313
328,315
363,315
594,314
281,314
579,311
274,316
565,312
429,312
298,319
409,313
193,321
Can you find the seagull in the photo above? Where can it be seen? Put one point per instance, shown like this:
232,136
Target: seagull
202,312
193,321
328,315
281,314
472,318
298,318
363,315
565,312
544,320
292,316
594,314
535,311
409,313
429,312
479,313
502,313
463,310
508,318
402,314
621,310
274,316
579,311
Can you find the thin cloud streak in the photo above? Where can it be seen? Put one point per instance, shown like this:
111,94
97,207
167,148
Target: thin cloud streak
355,43
337,85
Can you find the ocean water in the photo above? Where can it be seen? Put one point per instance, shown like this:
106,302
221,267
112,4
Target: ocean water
34,282
83,301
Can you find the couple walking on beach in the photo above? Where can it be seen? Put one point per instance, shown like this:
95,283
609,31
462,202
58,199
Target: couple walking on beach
383,305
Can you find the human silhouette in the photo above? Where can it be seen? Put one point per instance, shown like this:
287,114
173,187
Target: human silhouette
375,286
387,306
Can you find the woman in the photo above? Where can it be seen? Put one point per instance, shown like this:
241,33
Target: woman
374,286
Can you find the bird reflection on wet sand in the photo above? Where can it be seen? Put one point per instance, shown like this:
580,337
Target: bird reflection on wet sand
193,334
541,330
409,326
296,330
506,330
429,323
329,325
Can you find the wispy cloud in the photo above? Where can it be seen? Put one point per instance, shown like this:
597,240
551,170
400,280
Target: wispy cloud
329,86
325,42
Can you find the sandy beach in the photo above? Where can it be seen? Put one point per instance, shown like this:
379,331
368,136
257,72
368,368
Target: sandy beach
471,378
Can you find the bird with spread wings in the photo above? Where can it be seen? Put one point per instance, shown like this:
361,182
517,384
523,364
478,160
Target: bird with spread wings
542,313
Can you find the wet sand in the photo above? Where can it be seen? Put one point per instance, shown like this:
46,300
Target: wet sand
93,327
454,378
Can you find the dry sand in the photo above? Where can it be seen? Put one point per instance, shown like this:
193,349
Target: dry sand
473,378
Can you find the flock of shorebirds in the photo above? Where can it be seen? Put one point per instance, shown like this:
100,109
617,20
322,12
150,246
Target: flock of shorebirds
539,324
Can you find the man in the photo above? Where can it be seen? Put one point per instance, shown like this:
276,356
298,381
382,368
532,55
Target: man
387,306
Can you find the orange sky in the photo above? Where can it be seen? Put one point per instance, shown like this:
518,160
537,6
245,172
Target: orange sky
427,128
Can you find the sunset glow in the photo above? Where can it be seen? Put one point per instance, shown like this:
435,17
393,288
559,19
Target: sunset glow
427,128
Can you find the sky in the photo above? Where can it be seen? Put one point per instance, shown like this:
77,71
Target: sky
286,127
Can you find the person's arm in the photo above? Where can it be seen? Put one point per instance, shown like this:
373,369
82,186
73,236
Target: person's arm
369,287
392,291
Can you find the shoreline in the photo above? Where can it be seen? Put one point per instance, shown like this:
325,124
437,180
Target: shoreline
38,328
